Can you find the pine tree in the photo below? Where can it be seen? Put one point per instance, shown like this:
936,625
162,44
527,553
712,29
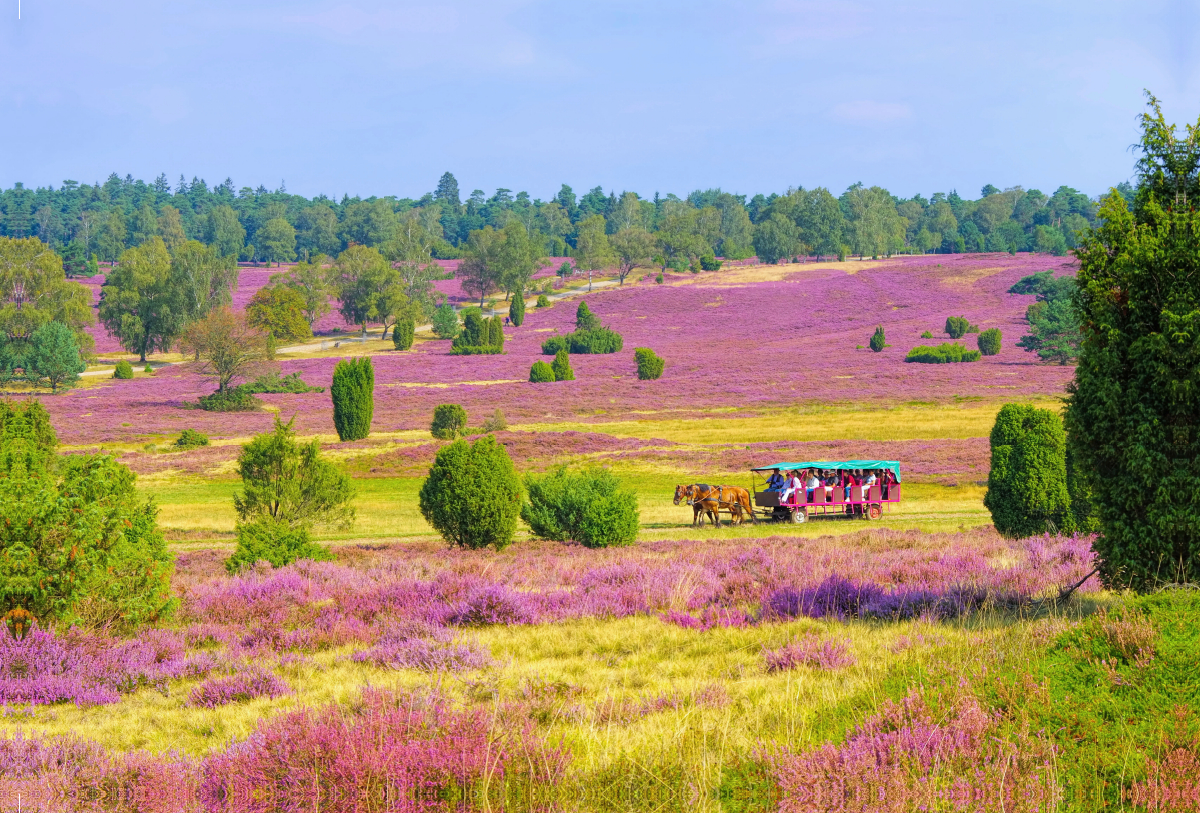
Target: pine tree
516,311
562,366
353,393
878,342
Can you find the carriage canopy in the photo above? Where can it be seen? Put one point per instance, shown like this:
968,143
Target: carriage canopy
893,465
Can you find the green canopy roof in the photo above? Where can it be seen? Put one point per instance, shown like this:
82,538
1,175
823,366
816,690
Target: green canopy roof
836,464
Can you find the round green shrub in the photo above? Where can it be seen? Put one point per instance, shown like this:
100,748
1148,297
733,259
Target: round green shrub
124,370
541,373
878,342
562,367
403,333
190,439
927,335
274,542
956,327
516,310
649,365
1027,485
234,399
589,507
472,496
543,301
148,369
945,353
353,394
659,279
989,341
449,421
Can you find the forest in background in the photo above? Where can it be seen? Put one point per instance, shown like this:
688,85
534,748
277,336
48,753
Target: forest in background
260,225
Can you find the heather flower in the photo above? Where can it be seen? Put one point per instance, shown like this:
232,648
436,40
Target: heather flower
239,687
809,651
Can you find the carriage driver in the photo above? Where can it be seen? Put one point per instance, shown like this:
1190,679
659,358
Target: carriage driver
776,482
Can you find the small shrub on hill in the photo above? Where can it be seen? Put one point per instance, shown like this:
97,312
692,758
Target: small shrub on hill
274,542
589,507
289,484
878,341
1027,484
942,354
403,333
479,336
659,279
541,373
597,341
273,382
190,439
649,365
989,341
956,326
584,318
543,301
445,322
709,263
449,421
231,400
926,335
353,394
472,496
123,370
148,369
496,423
562,367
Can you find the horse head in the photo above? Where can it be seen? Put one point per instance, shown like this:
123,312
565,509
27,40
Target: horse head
682,493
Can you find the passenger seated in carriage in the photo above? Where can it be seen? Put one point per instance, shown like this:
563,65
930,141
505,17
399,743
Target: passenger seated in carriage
812,484
776,481
793,486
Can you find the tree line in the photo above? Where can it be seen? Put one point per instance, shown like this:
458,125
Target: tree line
259,225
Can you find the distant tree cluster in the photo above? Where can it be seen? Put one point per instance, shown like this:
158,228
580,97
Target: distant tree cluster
505,236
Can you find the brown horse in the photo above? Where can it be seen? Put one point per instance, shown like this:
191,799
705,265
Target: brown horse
711,500
699,507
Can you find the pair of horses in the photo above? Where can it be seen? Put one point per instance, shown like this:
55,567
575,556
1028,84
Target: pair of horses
709,501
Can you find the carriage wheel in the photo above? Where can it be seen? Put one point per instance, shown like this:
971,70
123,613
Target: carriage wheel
799,515
875,511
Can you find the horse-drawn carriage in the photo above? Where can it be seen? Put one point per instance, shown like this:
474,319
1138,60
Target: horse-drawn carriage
835,495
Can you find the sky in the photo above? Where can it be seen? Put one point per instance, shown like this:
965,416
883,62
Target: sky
365,97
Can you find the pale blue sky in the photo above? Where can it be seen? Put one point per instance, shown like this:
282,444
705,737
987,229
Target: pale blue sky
368,97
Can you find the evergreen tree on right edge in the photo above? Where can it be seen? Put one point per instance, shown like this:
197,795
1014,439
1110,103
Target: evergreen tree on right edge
1133,416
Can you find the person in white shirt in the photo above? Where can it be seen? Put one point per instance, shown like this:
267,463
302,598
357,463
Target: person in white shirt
793,485
870,481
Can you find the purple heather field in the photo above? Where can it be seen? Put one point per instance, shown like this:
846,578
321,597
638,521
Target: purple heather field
727,343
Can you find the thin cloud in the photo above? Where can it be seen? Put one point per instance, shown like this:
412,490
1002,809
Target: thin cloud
869,112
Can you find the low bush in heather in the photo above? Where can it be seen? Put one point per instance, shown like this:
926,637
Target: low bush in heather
809,651
589,507
449,421
267,540
543,301
878,340
273,382
957,326
472,496
496,423
247,684
649,365
234,399
562,367
190,439
541,373
403,333
599,340
989,341
946,353
123,370
445,322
